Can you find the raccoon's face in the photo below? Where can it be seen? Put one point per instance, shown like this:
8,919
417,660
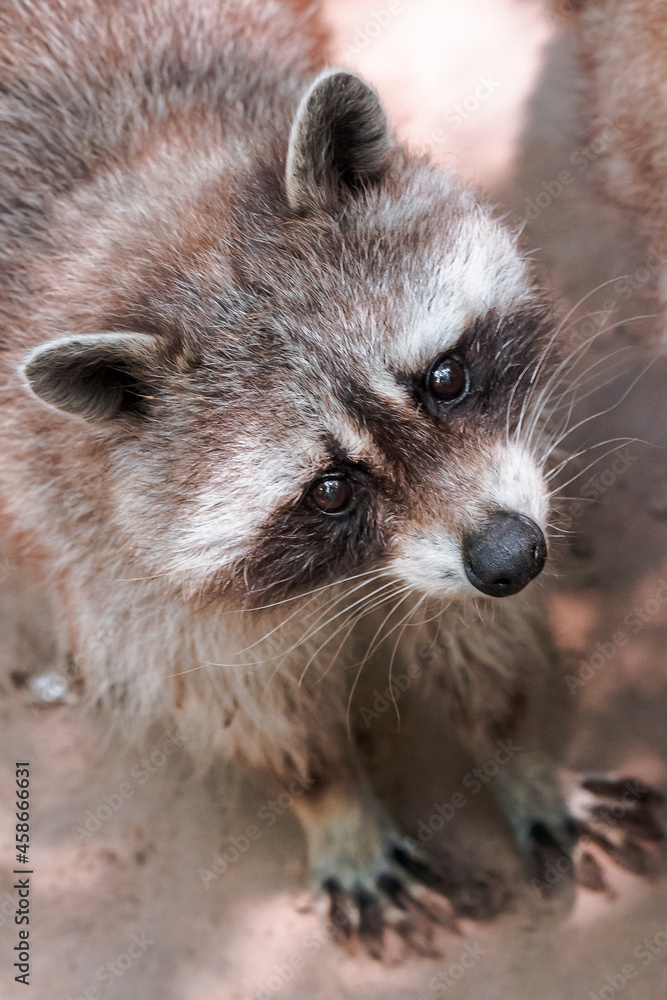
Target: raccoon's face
350,386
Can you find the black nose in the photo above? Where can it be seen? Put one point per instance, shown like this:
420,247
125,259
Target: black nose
505,556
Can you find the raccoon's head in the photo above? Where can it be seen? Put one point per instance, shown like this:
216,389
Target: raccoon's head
331,365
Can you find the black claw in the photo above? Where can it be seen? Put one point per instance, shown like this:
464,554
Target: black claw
548,854
424,873
371,923
477,897
628,817
418,869
338,914
572,828
542,836
390,885
638,821
589,874
411,864
547,847
418,936
630,855
402,898
623,789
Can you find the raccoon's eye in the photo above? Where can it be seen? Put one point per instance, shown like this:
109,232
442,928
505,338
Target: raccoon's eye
447,379
332,495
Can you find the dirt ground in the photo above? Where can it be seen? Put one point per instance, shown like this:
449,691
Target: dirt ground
131,897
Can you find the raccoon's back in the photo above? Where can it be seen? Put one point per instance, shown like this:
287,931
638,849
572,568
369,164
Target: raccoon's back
88,85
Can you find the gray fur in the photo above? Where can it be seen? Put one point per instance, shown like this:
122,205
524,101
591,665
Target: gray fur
165,174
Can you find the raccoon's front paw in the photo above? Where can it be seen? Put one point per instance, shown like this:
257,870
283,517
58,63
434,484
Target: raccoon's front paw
375,901
402,893
546,834
615,815
618,815
549,846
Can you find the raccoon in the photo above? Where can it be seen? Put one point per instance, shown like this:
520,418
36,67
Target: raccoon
271,382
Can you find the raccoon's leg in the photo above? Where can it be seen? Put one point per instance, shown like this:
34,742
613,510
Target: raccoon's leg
496,678
355,851
559,817
358,867
294,737
515,722
526,784
377,885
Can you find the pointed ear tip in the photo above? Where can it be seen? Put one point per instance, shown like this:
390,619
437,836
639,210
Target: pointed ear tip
33,364
330,72
335,77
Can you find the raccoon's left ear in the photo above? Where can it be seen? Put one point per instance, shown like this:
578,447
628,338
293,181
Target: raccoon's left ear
98,377
339,141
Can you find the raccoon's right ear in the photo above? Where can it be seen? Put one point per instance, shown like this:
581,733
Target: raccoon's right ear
339,141
97,377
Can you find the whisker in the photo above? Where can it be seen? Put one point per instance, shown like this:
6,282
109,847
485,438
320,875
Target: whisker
553,339
297,597
570,389
353,621
373,644
584,451
361,666
589,466
283,653
406,621
392,583
545,393
294,614
609,409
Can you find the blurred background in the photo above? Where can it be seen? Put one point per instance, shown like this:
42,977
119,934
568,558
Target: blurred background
142,866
